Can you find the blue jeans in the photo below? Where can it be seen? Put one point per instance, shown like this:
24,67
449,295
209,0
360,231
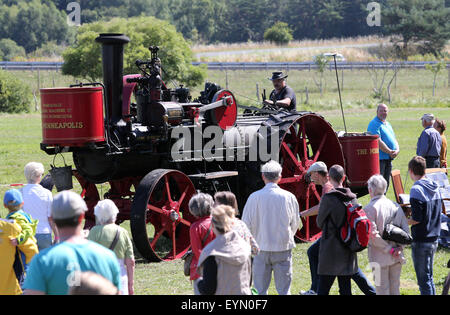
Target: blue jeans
43,241
363,283
360,279
433,162
313,256
385,171
326,282
423,258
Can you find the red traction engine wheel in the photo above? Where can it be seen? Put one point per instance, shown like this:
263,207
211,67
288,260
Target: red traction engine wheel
160,217
308,139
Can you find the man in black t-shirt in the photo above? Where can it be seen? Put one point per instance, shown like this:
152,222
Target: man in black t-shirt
282,96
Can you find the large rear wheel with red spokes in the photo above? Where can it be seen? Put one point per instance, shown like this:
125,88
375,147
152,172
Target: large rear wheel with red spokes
307,140
160,217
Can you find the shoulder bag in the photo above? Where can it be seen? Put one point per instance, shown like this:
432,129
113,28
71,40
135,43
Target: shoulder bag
395,233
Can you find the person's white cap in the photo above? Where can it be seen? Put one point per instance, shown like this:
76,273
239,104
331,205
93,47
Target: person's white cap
67,204
318,167
427,117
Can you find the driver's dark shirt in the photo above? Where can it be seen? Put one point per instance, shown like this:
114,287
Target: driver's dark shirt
286,92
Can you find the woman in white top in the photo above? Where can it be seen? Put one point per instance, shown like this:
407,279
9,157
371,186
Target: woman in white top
37,203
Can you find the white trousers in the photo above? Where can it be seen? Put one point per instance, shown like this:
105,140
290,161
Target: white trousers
281,265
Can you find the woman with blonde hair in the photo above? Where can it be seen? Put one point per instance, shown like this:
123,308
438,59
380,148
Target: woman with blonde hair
227,198
225,263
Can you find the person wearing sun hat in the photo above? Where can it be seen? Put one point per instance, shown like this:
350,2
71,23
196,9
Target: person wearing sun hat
282,96
430,142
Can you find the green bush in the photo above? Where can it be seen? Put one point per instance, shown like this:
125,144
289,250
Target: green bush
49,50
15,97
280,34
10,50
84,59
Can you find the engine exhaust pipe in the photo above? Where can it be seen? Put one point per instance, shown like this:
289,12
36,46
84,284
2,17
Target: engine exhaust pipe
112,56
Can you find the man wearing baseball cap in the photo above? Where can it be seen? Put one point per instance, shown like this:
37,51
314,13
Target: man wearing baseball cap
58,268
319,176
430,142
282,96
318,173
328,180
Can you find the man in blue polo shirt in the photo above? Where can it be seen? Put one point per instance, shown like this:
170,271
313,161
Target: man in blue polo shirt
389,148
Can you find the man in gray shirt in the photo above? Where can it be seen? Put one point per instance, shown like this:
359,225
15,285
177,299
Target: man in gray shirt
430,142
282,96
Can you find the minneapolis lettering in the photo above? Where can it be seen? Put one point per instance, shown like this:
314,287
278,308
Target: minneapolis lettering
64,125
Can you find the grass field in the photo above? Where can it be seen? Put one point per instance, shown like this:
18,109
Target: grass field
19,144
364,48
411,87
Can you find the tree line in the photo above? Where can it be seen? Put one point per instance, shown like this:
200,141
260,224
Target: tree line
213,21
27,26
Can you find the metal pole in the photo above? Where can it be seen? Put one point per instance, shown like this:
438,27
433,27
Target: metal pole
257,92
226,79
339,90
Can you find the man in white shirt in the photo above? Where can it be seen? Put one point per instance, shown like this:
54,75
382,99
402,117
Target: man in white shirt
273,217
38,203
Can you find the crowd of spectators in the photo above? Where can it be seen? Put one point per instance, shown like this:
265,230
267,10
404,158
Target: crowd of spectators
45,250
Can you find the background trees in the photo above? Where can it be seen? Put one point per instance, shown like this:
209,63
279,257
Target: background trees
84,59
416,26
33,23
422,25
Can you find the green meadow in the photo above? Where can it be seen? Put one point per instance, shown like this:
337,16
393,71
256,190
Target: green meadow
20,136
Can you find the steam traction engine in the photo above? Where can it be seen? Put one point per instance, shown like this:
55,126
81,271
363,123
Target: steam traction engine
157,153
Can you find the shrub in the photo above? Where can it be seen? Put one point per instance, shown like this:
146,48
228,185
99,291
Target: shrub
280,34
15,97
9,50
49,50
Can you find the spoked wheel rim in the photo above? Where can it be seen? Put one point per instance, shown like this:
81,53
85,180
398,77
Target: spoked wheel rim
160,217
307,140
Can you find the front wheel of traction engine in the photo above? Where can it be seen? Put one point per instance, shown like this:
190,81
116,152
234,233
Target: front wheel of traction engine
160,217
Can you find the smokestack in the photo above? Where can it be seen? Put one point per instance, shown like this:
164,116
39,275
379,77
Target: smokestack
112,56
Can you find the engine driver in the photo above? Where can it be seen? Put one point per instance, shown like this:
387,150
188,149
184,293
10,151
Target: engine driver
283,96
